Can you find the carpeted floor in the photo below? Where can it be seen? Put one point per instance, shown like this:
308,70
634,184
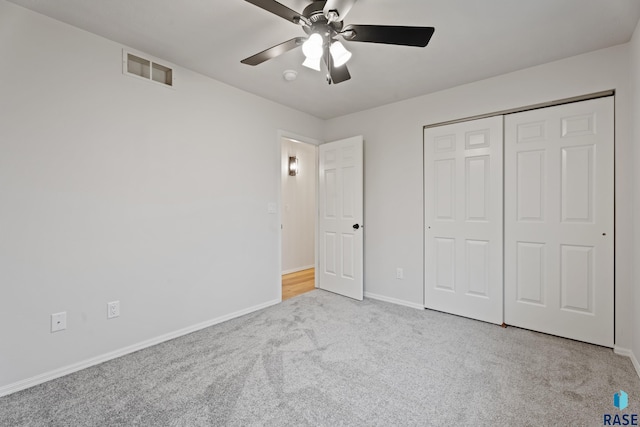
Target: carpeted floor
324,360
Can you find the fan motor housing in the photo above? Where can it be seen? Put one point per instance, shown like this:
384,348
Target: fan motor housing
319,23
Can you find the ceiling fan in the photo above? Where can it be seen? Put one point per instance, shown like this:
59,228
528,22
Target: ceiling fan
322,20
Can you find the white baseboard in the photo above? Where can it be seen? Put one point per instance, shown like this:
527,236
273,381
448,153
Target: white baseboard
57,373
393,300
295,270
626,352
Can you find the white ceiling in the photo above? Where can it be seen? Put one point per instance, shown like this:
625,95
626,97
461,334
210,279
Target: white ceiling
474,39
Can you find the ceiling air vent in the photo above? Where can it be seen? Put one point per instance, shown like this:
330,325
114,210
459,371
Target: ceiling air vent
137,66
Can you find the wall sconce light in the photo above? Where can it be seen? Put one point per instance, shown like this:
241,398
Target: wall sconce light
293,166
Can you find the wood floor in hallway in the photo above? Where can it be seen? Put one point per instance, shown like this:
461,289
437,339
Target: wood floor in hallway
297,283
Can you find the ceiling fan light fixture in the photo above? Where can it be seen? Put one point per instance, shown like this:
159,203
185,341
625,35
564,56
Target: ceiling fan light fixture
312,48
313,63
339,53
323,23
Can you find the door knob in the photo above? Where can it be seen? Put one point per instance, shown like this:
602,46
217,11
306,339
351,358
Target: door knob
356,226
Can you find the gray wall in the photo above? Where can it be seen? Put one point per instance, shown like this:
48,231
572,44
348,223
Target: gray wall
114,188
635,113
394,166
298,207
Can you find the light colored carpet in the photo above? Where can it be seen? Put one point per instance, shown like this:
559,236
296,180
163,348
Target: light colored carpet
324,360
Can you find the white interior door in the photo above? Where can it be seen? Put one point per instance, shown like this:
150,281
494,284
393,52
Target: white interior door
340,218
463,219
559,237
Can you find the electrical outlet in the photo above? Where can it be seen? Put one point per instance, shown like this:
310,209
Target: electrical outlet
113,309
59,321
399,273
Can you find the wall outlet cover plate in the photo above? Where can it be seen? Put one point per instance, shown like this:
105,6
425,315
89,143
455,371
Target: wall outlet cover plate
59,321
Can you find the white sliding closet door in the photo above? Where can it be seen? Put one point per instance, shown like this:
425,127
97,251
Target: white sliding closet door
463,219
559,237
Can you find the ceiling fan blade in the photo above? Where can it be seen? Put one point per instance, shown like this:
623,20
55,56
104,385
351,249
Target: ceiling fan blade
341,6
274,51
389,34
337,74
277,9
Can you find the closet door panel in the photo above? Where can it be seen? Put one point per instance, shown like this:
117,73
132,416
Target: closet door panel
463,219
559,213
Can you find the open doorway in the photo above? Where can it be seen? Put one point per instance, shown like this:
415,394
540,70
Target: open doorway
299,172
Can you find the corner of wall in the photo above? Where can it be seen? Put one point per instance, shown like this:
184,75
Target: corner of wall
630,354
634,80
